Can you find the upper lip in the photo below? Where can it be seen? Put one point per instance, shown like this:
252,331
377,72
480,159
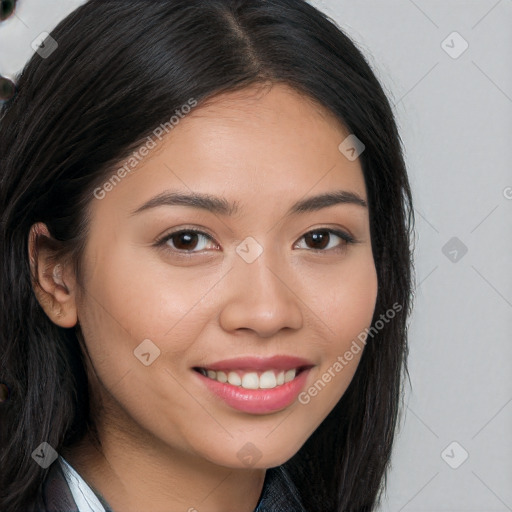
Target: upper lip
258,363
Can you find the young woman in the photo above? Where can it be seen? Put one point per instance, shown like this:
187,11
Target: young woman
206,265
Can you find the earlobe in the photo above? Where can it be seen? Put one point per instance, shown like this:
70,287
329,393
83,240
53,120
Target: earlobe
53,283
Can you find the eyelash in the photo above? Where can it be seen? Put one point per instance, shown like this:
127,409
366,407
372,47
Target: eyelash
347,240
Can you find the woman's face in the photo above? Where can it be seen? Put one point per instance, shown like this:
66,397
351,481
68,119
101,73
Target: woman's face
267,280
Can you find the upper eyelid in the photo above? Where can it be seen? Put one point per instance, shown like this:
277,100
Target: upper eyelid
185,230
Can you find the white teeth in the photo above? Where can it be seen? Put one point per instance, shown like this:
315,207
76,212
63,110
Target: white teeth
251,380
234,379
221,377
268,380
290,375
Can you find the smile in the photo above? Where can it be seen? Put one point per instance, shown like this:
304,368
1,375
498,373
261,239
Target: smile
268,379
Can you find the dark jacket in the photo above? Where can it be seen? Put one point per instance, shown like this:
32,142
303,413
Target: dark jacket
278,495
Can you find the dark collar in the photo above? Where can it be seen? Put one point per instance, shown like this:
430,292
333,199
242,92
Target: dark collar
278,494
57,496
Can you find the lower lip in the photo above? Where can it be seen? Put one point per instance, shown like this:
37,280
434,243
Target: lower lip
257,401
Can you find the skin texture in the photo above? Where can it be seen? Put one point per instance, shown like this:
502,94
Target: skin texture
169,444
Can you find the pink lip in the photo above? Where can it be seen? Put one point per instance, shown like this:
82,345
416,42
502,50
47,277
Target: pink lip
257,401
259,363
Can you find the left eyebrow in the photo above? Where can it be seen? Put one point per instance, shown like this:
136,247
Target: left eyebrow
311,204
221,206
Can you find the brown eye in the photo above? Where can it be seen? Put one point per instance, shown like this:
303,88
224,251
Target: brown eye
186,240
325,240
318,239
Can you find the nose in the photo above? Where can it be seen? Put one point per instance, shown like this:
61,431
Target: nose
261,299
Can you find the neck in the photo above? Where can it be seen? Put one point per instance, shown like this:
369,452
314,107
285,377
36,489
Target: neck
131,476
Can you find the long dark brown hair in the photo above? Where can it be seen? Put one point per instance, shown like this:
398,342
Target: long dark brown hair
122,67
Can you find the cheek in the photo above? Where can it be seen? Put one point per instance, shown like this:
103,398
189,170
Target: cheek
354,311
129,299
127,302
345,301
343,297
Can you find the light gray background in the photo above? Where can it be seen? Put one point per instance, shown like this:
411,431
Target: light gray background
455,116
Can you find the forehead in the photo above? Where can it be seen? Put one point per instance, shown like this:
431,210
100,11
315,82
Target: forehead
251,145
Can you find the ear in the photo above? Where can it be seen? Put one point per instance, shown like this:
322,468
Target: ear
54,282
